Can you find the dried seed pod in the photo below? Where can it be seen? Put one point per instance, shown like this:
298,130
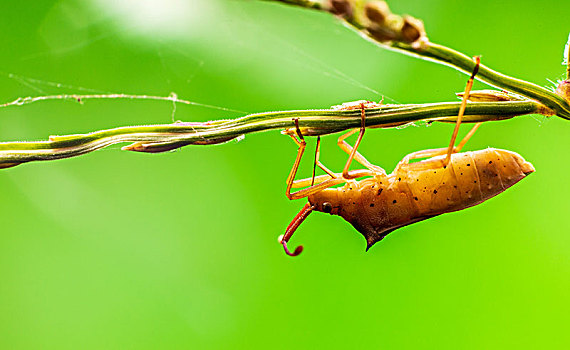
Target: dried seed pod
341,8
412,30
382,34
377,12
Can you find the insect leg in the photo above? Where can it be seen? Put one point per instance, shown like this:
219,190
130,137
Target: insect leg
290,179
352,151
297,220
318,162
405,162
322,178
467,137
311,181
451,147
427,164
317,153
302,144
439,151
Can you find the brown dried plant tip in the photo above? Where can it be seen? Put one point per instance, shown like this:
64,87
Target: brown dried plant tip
385,26
412,30
377,11
381,34
563,90
341,8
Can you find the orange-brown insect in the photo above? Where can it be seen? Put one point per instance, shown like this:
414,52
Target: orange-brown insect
381,203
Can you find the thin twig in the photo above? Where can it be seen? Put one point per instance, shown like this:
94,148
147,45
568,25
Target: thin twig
81,98
160,138
374,21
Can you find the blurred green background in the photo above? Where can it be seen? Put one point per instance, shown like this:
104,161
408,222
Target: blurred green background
119,250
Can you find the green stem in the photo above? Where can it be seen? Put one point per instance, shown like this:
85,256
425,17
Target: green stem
444,55
357,19
409,37
160,138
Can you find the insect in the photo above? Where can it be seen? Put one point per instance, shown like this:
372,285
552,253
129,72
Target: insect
445,182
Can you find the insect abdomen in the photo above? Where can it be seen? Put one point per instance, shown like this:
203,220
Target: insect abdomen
381,208
469,179
417,192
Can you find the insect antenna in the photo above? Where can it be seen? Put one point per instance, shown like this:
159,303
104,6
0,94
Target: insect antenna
297,220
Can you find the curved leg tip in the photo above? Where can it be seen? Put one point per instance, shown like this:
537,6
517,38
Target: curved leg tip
298,250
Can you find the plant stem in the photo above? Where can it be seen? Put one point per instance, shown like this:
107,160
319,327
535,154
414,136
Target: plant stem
357,19
444,55
160,138
369,18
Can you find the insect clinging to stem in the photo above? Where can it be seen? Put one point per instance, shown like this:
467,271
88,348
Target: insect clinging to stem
380,203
